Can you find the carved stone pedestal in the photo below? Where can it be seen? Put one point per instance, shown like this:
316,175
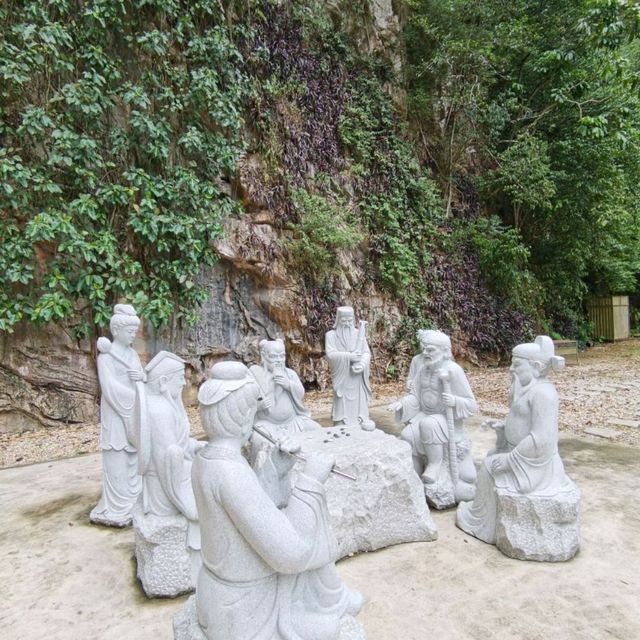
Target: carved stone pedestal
539,528
186,627
385,505
166,566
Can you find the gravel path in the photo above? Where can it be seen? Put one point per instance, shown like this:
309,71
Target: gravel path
600,400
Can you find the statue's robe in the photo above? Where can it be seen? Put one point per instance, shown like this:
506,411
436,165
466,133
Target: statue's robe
351,391
167,489
121,483
267,573
530,440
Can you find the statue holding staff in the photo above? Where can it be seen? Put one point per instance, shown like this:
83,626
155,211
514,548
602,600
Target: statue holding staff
439,398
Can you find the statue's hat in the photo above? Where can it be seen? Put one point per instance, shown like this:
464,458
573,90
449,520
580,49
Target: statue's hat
164,363
224,378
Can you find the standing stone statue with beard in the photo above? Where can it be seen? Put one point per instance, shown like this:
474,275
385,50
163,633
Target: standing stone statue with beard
349,359
439,399
166,525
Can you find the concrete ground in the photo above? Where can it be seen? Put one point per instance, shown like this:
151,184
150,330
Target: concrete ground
64,579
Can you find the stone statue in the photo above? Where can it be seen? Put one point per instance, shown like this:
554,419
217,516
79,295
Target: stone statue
439,399
118,370
525,503
282,410
167,530
349,358
267,573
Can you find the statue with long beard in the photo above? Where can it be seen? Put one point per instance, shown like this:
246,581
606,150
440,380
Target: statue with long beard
349,360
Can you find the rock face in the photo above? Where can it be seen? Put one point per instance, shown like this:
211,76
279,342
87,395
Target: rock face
385,505
539,528
186,627
47,379
165,566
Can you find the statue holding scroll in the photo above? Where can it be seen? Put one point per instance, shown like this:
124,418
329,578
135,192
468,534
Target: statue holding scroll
438,401
525,503
118,370
268,573
349,359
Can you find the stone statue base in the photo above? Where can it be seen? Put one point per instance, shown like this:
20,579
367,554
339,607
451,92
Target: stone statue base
106,521
166,566
385,505
441,494
541,528
186,627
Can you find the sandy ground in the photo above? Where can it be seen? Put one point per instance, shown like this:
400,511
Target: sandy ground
62,578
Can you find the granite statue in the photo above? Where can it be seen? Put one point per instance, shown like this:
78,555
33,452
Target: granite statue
119,369
282,410
525,503
268,573
439,398
166,524
349,359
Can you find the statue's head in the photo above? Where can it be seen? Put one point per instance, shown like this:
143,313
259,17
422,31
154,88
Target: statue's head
165,374
534,359
435,346
273,354
345,318
124,324
228,401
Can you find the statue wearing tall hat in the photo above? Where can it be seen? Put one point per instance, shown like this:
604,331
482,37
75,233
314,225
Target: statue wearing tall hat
525,503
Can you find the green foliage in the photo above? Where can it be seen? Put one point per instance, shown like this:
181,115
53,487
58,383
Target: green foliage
326,226
538,104
504,262
111,172
398,201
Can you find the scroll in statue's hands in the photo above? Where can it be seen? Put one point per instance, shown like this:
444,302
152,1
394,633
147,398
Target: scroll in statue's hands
394,406
318,466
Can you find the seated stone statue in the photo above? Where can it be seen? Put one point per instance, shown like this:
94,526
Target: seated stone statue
525,503
268,573
165,454
119,369
439,399
282,410
349,359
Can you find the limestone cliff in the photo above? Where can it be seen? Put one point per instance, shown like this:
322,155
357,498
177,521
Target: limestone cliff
48,379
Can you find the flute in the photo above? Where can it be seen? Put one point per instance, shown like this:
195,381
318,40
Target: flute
267,437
